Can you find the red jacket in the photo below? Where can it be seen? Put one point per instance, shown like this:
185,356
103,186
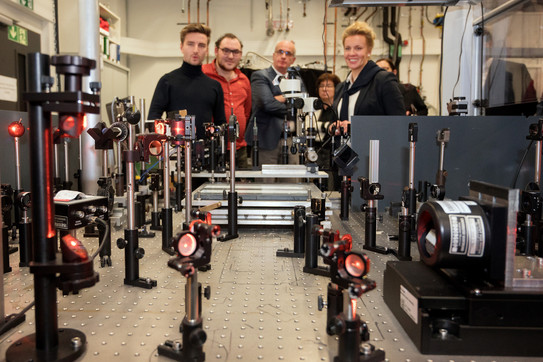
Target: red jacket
237,95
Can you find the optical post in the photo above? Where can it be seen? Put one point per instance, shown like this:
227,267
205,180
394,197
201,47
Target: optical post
67,272
167,212
255,161
189,136
193,250
22,200
233,130
132,252
370,191
103,138
348,272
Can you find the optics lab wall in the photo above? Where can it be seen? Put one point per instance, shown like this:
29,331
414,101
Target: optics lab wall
152,35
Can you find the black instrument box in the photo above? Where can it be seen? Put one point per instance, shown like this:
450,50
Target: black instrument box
447,313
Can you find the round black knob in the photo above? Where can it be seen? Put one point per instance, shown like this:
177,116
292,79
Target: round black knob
197,337
139,253
132,117
335,327
121,243
293,149
78,214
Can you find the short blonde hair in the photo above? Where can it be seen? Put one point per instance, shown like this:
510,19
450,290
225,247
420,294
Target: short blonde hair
360,28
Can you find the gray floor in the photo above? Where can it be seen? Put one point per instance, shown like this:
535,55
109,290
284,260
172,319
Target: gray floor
262,307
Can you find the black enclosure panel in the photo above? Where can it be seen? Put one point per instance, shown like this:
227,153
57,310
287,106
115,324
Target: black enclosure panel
481,148
13,64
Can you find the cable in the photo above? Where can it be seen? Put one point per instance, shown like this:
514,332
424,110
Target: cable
423,46
441,63
324,33
362,13
324,144
312,120
15,319
461,49
482,56
409,27
372,14
514,183
143,175
27,308
57,38
245,60
426,13
102,242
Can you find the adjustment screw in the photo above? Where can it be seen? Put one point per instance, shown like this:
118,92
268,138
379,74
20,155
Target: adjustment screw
139,253
76,342
365,348
121,243
320,302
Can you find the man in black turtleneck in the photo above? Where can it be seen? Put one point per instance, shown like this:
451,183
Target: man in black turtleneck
188,87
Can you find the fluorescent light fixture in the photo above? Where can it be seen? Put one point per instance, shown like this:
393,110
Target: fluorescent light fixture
353,3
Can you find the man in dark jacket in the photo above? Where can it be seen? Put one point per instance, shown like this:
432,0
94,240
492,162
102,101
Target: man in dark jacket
414,105
269,105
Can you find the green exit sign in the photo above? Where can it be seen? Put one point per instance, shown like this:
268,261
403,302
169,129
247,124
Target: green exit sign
27,3
18,34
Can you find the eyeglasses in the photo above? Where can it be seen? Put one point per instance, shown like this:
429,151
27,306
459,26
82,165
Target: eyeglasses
227,51
326,86
284,52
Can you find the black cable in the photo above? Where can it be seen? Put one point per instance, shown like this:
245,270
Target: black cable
324,144
441,62
461,49
333,110
106,226
56,32
514,184
27,308
427,18
57,39
15,319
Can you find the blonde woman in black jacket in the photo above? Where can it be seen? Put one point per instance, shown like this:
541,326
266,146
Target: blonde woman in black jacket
368,89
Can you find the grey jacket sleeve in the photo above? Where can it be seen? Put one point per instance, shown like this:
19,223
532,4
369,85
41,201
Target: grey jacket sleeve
263,92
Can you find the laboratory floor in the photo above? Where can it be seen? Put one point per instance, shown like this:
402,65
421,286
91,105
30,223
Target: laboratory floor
261,308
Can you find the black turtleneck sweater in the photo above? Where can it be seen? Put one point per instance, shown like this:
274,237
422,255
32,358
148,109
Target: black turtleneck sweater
189,88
